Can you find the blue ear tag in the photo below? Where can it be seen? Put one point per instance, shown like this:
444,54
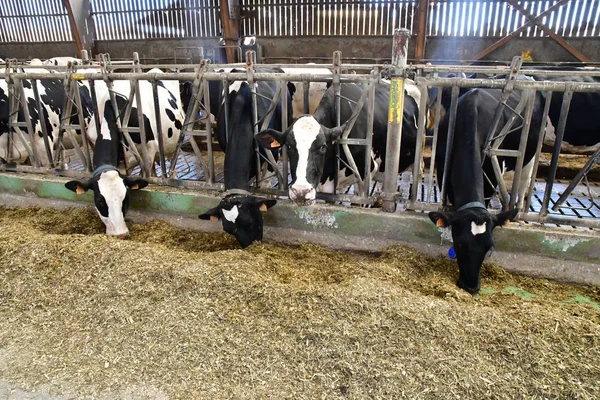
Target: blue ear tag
451,253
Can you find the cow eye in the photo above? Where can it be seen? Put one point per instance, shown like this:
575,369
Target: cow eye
323,148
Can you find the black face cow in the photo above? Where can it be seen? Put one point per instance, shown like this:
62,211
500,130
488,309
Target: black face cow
239,211
241,216
310,140
467,190
110,188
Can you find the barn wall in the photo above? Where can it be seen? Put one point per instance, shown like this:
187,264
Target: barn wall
281,49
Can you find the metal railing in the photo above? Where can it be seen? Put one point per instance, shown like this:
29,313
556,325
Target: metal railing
424,194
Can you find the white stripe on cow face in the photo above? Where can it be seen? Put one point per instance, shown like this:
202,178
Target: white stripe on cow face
231,215
477,229
112,188
306,130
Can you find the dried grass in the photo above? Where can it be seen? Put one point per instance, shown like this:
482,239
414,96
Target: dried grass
180,314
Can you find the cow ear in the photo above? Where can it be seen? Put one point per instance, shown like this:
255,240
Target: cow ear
78,186
264,204
271,139
213,215
291,88
441,219
333,134
135,183
504,217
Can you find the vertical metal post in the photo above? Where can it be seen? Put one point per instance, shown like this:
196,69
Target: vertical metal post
522,146
416,180
209,149
337,61
449,143
538,150
159,132
394,131
560,132
252,85
283,183
38,104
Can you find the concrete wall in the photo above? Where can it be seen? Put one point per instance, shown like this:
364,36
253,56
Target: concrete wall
318,49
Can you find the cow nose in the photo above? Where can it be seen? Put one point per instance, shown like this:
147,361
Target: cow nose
122,235
302,193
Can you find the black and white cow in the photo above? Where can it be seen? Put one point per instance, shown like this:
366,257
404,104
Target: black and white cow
172,116
239,211
310,139
468,191
52,99
110,188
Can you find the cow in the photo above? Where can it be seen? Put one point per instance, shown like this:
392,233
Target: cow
172,116
52,99
581,134
468,191
310,139
316,90
239,211
110,187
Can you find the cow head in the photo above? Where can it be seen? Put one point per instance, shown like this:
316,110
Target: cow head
111,197
472,236
241,216
307,142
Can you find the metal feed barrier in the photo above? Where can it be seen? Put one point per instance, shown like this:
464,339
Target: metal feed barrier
423,194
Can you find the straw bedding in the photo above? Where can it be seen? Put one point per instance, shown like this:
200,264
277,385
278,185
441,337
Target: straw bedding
181,314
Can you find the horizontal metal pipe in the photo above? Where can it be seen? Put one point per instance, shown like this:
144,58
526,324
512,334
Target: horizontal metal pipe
189,76
500,83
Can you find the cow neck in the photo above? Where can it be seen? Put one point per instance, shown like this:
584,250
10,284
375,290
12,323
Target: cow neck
466,171
106,151
472,204
103,168
240,156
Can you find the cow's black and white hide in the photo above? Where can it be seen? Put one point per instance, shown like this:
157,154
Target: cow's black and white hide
52,99
316,90
310,139
171,114
110,187
468,190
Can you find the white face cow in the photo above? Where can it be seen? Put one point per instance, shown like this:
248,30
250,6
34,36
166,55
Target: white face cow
308,142
111,197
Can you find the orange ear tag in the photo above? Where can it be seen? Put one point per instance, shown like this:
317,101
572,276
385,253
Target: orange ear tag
263,207
214,219
79,190
507,223
440,223
135,187
275,144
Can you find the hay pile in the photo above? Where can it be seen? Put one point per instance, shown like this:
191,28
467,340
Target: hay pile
179,314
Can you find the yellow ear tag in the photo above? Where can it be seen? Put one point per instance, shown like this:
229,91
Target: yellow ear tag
135,187
79,190
275,144
214,219
440,223
263,207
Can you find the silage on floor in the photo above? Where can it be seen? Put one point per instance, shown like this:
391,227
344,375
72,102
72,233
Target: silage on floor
191,315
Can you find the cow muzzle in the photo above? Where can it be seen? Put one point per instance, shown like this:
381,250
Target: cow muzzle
302,194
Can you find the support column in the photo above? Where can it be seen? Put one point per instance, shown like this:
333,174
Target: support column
82,25
230,16
394,131
423,11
